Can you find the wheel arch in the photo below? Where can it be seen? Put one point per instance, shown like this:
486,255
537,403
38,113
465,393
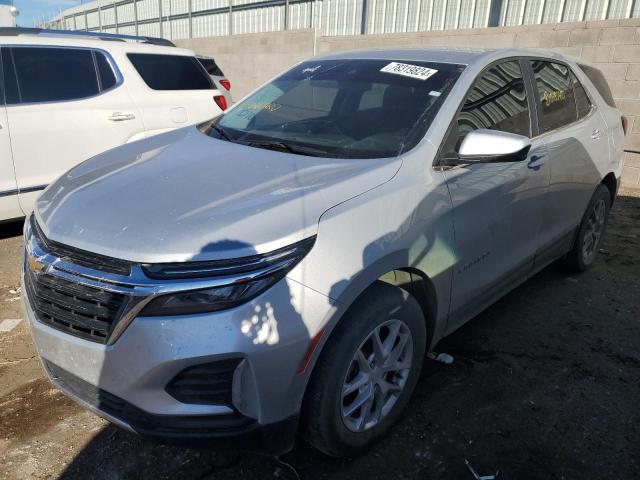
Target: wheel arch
393,270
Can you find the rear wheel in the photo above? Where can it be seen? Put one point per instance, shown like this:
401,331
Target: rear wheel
366,373
591,231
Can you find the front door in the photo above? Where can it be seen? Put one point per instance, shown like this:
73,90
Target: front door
69,105
497,207
9,207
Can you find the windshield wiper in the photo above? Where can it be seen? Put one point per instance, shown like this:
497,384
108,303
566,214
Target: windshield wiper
290,148
222,133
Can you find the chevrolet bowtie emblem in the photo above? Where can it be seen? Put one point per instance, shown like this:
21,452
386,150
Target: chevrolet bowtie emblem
34,264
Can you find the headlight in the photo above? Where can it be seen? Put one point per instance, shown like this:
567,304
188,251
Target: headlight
248,278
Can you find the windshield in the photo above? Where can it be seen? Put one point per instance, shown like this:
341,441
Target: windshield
341,108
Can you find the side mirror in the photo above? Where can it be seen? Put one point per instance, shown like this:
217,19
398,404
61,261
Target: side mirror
491,146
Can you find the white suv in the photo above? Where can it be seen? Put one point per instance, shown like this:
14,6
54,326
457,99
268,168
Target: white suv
67,96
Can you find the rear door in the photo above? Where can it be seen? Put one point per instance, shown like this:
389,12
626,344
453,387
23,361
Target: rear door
175,91
9,207
577,142
70,105
497,207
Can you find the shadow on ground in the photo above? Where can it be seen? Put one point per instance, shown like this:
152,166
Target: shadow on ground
544,386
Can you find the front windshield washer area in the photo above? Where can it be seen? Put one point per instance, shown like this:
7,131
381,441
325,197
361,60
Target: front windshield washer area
341,108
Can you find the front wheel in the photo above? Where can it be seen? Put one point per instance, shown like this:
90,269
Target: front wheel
366,373
591,231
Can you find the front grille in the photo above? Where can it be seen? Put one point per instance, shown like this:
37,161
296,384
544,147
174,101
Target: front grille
77,256
73,308
146,423
205,384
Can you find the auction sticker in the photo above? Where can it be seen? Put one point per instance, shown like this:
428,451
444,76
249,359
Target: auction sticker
407,70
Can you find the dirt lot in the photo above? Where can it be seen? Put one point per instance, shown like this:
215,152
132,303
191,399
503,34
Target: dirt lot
545,386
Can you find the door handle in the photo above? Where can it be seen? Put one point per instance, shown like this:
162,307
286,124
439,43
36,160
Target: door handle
596,134
535,162
121,117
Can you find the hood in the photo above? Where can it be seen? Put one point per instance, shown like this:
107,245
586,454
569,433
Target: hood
186,196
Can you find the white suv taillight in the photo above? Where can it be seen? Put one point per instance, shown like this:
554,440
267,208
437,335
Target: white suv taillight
221,102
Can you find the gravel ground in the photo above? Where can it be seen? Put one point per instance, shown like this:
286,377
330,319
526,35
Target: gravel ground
544,386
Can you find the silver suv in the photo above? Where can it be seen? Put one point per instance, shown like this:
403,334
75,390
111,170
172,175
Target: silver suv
284,267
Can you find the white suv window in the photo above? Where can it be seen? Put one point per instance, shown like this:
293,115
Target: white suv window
54,74
49,74
561,98
170,72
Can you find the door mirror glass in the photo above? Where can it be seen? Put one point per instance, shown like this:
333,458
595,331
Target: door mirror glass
488,146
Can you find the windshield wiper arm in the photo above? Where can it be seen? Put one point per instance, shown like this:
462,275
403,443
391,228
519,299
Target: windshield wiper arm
222,133
289,148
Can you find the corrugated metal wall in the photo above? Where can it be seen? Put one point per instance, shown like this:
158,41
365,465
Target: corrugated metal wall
177,19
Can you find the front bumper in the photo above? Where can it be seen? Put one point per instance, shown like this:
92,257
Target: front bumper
126,381
230,430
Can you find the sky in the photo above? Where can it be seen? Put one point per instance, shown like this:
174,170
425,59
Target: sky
31,11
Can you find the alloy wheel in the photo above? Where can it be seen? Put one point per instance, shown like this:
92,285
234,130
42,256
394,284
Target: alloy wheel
593,232
376,376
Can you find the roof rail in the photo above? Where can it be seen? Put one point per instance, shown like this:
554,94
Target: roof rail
15,31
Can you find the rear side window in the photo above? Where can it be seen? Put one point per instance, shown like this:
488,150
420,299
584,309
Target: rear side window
211,67
170,72
497,101
583,104
561,98
54,74
598,80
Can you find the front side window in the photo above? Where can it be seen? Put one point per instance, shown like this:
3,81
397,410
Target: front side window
54,74
170,72
350,108
497,101
561,98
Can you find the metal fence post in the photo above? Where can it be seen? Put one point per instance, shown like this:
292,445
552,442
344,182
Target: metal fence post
494,13
115,15
365,13
286,14
190,2
230,17
160,15
135,15
99,16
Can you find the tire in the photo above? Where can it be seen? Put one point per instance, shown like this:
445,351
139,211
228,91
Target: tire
386,308
591,230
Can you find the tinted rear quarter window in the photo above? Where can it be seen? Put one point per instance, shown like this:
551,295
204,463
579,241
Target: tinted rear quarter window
170,72
54,74
211,67
598,80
